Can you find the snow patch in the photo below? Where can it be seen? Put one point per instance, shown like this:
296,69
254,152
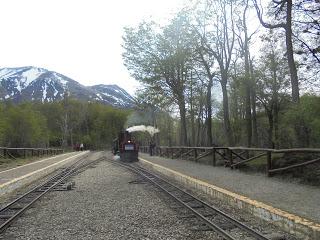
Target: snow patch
18,86
55,92
99,96
5,72
44,93
63,81
30,75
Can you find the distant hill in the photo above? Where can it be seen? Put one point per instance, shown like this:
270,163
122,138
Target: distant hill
39,84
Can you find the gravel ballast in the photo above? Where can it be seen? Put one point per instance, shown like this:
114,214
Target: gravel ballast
108,202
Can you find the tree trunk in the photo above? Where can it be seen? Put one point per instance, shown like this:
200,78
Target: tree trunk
182,110
291,63
248,107
270,131
64,128
226,118
198,132
200,114
71,138
192,113
276,125
209,115
247,82
255,139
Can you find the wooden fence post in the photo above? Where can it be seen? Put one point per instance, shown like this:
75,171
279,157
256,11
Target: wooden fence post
269,163
247,154
195,154
213,156
229,152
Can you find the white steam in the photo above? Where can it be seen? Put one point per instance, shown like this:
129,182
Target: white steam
143,128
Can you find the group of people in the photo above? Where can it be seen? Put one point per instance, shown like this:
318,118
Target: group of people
79,147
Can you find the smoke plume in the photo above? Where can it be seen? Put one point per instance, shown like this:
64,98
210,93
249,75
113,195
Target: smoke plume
142,128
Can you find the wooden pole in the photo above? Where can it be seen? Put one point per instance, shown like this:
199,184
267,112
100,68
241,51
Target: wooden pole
214,157
229,152
269,163
247,154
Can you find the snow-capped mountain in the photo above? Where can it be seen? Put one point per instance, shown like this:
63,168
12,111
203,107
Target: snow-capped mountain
38,84
113,94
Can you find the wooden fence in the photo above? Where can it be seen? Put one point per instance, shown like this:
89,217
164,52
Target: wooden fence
24,152
233,156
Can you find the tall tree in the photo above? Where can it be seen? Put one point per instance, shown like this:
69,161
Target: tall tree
244,41
283,12
161,61
219,42
271,85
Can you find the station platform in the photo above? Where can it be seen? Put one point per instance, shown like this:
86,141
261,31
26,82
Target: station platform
292,206
14,178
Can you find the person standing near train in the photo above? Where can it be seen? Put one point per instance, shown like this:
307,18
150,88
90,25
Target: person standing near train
151,148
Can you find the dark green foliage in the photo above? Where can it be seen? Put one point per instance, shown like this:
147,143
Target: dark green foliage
64,123
302,121
104,123
24,127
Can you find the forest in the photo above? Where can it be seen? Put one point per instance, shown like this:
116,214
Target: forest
230,73
218,73
60,124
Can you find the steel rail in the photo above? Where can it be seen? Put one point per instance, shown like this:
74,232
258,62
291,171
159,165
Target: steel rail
151,177
233,220
38,191
58,175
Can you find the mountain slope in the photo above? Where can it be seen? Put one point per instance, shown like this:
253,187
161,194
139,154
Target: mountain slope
39,84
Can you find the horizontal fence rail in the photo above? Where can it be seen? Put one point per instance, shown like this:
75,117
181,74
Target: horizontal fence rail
24,152
233,157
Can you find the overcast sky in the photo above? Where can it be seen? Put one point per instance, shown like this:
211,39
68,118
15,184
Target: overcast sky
78,38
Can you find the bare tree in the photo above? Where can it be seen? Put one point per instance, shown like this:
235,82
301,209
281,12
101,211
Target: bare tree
284,7
217,40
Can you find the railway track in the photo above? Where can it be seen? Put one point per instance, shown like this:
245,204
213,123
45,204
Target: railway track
17,207
225,225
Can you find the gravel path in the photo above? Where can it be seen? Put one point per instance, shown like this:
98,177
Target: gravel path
104,205
294,198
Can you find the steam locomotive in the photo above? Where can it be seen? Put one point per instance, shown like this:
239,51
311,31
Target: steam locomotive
125,147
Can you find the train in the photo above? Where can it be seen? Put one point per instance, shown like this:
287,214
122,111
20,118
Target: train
125,147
